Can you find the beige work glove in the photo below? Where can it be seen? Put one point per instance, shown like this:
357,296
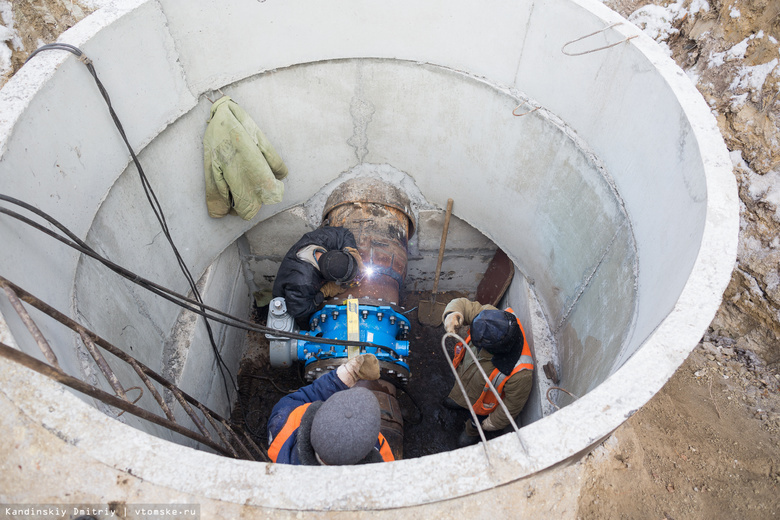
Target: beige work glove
331,289
356,255
453,322
487,424
364,366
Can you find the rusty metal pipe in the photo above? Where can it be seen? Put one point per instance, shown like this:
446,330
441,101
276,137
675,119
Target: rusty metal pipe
380,217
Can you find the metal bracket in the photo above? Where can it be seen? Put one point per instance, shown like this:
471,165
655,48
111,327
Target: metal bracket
593,34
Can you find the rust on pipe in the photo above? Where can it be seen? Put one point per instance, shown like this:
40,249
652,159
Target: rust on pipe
58,375
37,335
103,366
380,217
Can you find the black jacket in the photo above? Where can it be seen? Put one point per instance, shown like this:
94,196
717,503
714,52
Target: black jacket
299,282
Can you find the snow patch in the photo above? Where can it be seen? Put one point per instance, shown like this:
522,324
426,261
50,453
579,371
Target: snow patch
657,21
734,12
8,37
761,188
753,78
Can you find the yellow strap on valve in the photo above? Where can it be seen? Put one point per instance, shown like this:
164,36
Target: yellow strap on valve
353,326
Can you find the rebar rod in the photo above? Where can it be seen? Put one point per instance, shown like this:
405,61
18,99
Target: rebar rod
157,396
48,353
187,408
77,327
253,444
487,381
103,366
61,377
239,442
217,429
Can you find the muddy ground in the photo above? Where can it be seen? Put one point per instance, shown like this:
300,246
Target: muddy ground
428,426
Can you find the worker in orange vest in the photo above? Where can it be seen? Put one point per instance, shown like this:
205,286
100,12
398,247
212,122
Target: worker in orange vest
330,422
499,342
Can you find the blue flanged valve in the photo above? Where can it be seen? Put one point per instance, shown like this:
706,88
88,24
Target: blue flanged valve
378,324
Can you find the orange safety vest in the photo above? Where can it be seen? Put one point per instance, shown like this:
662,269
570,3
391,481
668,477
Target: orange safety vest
487,401
294,421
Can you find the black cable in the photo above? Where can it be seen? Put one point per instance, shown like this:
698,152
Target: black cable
151,197
158,212
182,301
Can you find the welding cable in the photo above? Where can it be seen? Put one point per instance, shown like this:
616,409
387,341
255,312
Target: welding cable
416,404
208,312
151,197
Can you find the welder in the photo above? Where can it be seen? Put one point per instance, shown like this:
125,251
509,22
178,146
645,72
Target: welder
317,267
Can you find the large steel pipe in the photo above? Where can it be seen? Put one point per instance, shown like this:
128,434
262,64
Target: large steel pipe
379,215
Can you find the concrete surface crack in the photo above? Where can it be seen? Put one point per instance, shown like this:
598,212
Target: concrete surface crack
362,111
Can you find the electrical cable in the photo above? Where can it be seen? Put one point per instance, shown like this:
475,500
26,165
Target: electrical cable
208,312
196,306
151,197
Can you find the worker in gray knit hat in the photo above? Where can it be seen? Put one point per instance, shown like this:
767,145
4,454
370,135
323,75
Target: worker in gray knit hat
331,421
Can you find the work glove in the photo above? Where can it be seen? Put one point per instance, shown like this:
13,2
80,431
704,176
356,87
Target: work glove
356,255
453,322
331,289
364,366
487,424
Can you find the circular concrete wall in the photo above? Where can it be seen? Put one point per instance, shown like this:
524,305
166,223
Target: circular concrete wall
615,200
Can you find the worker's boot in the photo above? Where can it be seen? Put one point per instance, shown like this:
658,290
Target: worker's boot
467,440
449,402
469,435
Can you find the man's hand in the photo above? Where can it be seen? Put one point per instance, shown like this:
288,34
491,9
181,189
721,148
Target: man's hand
331,289
453,322
487,424
364,366
356,255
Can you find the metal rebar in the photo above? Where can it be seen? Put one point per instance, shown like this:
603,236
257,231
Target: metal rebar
254,445
103,366
48,353
187,408
474,418
77,327
562,390
218,430
239,442
487,380
58,375
157,397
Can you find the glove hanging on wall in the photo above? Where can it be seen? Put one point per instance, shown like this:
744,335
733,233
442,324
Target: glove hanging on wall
243,171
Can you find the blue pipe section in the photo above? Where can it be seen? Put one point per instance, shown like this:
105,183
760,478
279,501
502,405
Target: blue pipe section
378,324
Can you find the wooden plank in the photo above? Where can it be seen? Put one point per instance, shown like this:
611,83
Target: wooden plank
496,280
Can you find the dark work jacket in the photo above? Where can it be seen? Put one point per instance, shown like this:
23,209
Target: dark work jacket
296,445
299,282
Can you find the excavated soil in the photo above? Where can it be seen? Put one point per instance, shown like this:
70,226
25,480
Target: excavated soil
706,446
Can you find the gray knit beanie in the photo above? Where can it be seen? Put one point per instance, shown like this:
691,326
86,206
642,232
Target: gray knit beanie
346,426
